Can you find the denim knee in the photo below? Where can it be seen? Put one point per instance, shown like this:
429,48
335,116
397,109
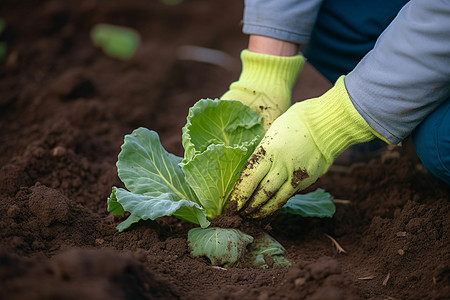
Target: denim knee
432,142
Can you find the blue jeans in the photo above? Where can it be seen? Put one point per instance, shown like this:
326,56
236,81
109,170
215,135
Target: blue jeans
431,140
344,32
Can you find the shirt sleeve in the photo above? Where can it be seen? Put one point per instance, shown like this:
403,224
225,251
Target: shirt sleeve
407,74
287,20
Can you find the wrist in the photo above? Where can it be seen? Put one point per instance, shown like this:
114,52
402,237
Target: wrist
334,122
266,45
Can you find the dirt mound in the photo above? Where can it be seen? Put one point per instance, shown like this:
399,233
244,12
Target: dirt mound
78,274
64,110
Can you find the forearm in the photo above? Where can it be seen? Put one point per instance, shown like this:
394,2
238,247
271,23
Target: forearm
407,74
271,46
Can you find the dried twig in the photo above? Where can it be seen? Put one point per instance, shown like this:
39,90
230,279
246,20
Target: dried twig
385,281
336,244
370,277
219,268
342,201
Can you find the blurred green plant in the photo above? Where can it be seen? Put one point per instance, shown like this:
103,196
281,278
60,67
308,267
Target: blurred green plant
116,41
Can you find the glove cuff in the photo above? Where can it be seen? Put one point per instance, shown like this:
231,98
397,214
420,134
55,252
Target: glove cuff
271,72
334,123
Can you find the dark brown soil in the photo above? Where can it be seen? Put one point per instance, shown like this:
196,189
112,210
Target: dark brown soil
64,109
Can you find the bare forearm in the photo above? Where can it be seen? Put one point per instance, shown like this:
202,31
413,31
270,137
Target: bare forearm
271,46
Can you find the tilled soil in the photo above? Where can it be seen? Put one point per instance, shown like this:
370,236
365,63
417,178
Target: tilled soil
64,109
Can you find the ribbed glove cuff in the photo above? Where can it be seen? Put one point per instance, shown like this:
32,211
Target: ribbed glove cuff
270,71
333,121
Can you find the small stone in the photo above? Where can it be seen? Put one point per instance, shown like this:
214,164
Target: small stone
58,151
401,252
13,211
99,242
299,281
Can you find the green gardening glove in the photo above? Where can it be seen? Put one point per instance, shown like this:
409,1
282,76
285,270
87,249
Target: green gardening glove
265,83
297,149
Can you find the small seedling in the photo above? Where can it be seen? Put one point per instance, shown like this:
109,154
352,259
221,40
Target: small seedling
116,41
218,138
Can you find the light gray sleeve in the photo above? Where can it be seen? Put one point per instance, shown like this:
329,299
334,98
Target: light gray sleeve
288,20
407,74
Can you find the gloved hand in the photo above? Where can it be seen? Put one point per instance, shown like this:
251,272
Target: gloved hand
297,149
265,83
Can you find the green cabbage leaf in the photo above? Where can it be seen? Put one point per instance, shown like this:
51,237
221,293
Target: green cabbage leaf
218,138
314,204
223,246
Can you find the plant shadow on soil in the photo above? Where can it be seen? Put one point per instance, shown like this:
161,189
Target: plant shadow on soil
64,110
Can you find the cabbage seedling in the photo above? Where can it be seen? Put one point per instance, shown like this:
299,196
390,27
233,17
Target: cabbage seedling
218,138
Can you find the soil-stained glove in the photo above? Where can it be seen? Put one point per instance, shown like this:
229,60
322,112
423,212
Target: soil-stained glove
297,149
265,83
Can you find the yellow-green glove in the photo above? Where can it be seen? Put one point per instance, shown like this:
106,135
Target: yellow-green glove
297,149
265,83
